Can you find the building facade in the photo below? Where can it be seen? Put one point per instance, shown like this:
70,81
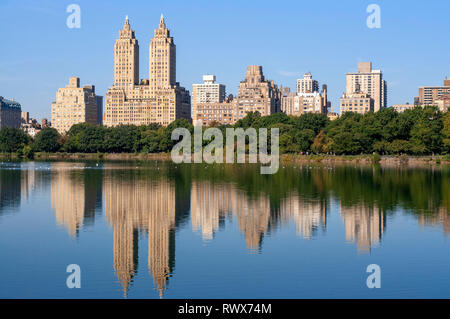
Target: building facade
159,99
444,102
10,113
400,108
428,95
74,104
369,82
307,99
357,102
256,94
208,102
307,84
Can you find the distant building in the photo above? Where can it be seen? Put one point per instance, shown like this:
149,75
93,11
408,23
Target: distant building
428,95
357,102
74,104
256,94
306,100
25,117
403,107
214,112
45,123
208,102
307,84
99,109
10,113
367,81
159,99
332,116
443,103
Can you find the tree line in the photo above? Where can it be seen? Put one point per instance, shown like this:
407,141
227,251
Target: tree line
420,131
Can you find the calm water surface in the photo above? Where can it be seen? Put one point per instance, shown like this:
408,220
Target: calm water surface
160,230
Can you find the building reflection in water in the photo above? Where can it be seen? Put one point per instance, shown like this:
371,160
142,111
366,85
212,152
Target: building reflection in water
308,215
75,195
364,225
212,202
145,202
439,218
132,203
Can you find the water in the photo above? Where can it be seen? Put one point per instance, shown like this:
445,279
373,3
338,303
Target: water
160,230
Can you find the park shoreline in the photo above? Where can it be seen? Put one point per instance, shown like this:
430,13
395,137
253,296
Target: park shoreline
391,160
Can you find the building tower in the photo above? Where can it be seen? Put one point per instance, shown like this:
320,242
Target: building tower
307,84
126,57
162,58
370,82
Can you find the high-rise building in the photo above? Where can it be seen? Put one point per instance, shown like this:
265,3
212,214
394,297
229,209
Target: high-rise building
74,104
428,95
25,117
306,100
307,84
10,113
159,99
368,81
256,94
209,103
357,102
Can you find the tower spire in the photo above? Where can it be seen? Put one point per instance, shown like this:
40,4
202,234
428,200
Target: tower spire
161,21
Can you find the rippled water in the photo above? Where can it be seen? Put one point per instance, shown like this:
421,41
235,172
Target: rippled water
160,230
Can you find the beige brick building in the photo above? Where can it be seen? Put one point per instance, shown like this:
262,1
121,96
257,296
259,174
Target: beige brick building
306,100
159,99
428,95
208,102
370,82
357,102
307,84
74,104
256,93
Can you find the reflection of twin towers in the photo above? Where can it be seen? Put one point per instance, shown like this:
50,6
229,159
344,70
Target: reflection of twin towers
134,203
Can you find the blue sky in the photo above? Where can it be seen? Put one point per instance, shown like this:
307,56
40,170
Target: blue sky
38,52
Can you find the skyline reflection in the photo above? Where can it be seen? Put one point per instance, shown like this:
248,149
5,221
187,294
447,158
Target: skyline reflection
156,201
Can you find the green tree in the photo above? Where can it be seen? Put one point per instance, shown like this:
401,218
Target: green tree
47,140
13,140
446,133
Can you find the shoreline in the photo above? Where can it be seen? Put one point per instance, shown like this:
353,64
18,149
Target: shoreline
387,160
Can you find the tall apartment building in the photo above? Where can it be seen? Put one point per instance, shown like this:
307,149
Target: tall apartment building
10,113
369,82
74,104
256,93
307,99
159,99
307,84
428,95
209,103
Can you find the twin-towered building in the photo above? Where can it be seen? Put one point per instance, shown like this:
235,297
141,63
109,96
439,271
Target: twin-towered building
158,99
